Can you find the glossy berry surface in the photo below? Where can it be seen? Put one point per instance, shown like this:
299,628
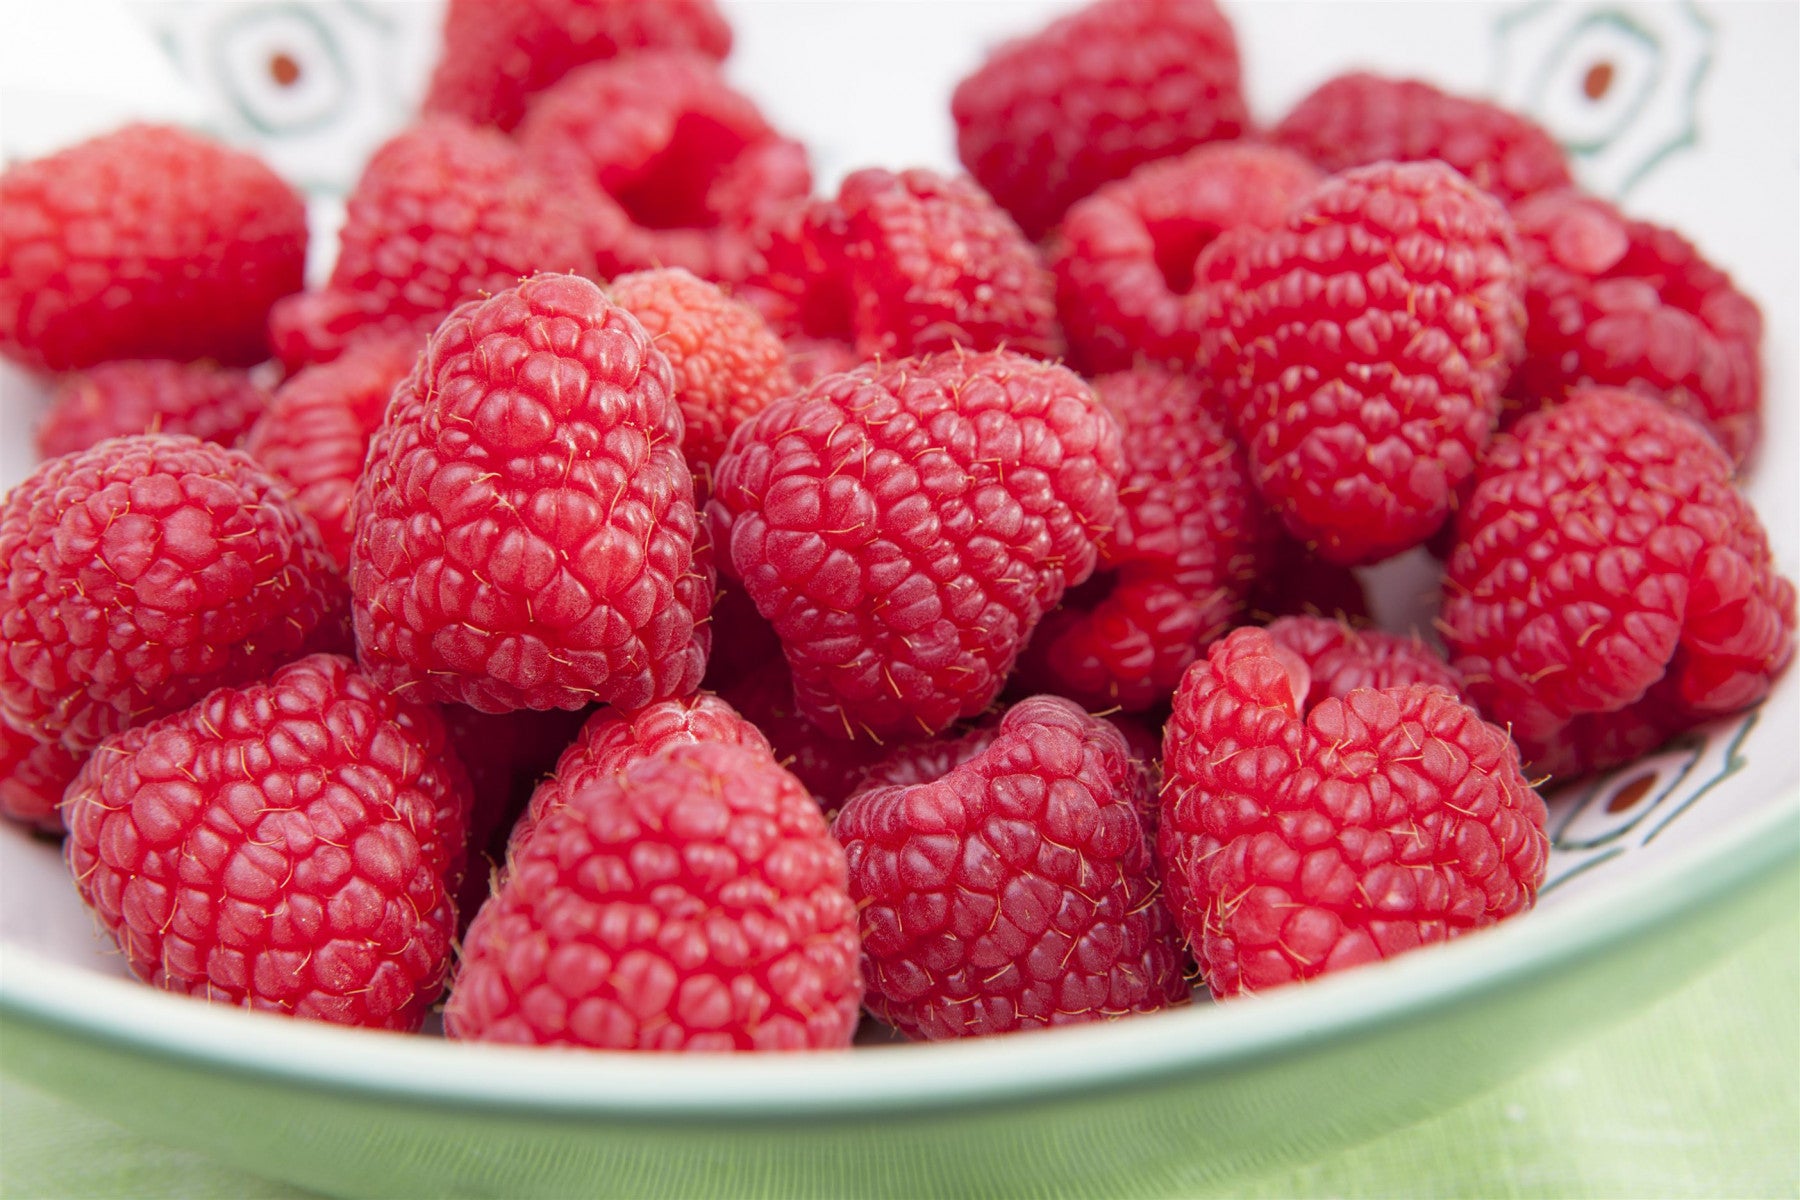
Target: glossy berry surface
1298,839
525,525
1340,658
905,526
33,776
291,845
1609,585
115,399
693,902
1017,888
142,573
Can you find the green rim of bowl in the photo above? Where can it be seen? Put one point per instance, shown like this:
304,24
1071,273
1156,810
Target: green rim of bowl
893,1080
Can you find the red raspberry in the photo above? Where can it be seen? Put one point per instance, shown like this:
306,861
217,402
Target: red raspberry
444,212
1609,586
681,167
1175,569
610,741
1298,839
924,762
909,264
525,525
1361,350
148,242
728,363
144,572
1296,582
693,902
1124,256
812,358
291,845
1341,658
497,53
149,395
1359,118
905,526
1089,98
830,768
1629,304
33,776
1016,889
506,756
315,434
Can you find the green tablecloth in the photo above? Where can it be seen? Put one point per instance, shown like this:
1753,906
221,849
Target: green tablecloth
1698,1096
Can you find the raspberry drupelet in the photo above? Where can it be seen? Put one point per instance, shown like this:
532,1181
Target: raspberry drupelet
149,395
1341,658
33,777
1361,350
291,845
1014,887
141,573
1300,838
147,242
525,524
906,525
1609,586
1048,118
693,901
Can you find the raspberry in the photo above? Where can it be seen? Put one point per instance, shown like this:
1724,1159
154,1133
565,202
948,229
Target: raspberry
148,242
923,762
906,264
1174,572
693,902
1295,582
1341,658
1361,350
1298,839
1124,256
829,767
144,572
610,741
444,212
33,776
1608,586
905,526
497,53
525,525
1089,98
1359,118
290,845
1017,888
811,358
315,433
681,167
1625,303
213,403
728,363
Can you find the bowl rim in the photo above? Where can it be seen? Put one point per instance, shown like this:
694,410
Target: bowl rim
431,1073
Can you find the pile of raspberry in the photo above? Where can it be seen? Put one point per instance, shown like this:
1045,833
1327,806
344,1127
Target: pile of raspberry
639,601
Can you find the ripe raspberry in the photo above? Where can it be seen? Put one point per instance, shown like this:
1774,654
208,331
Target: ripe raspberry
1298,839
813,358
1341,658
525,525
1016,889
680,166
148,395
1361,350
444,212
905,526
908,264
694,902
926,761
315,433
1609,587
1625,303
497,53
144,572
1359,118
728,363
1124,256
147,242
1295,582
290,845
829,767
1089,98
33,776
610,741
1191,538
